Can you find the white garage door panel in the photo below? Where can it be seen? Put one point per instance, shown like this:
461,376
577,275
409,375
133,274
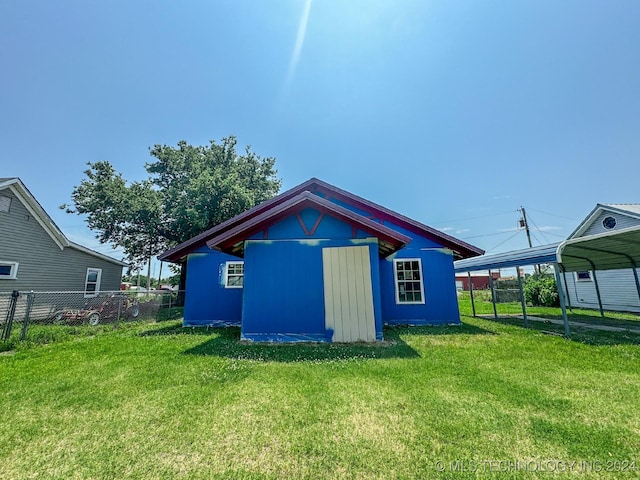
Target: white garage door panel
348,294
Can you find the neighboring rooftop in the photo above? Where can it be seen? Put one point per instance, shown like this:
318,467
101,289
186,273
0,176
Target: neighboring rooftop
42,217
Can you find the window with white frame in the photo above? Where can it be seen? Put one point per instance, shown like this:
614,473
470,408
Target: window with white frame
408,280
583,276
234,275
92,282
8,270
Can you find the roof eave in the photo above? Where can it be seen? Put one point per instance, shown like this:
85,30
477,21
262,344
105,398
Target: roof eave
460,247
230,241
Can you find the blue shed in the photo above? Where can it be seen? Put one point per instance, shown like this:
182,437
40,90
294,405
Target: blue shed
317,263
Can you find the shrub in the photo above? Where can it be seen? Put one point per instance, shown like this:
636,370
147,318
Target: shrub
540,290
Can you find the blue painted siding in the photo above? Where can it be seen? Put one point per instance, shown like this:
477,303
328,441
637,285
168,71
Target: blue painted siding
283,295
329,227
207,301
376,286
441,302
284,289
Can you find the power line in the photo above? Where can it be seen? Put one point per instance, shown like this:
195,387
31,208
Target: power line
553,214
487,235
538,228
481,216
556,235
536,238
505,241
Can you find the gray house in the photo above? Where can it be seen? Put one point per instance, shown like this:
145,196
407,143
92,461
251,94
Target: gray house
617,287
35,254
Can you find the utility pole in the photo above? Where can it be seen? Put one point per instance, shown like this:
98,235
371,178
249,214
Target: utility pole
525,224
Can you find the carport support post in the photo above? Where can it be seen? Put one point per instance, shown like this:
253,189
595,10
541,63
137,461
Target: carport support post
522,302
565,320
595,281
566,287
635,277
493,296
473,305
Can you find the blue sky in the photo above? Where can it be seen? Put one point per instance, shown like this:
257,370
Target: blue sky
454,113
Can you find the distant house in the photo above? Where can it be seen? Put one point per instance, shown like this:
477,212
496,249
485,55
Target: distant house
319,263
479,280
35,254
618,290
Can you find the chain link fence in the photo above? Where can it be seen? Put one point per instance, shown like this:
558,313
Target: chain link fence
23,312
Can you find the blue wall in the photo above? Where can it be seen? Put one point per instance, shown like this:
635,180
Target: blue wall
284,289
283,295
207,301
441,301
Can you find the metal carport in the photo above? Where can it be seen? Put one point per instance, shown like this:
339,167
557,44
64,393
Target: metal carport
606,251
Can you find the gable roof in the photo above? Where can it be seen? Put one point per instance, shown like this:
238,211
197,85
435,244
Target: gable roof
22,193
232,241
461,249
629,209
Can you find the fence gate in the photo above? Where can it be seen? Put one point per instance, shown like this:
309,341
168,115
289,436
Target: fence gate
8,308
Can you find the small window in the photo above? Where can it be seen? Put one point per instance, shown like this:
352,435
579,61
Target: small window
92,282
609,222
583,276
408,280
234,275
5,203
8,270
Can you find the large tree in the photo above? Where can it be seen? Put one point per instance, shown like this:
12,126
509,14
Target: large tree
189,189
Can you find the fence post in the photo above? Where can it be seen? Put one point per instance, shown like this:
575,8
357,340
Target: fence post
121,298
6,333
27,315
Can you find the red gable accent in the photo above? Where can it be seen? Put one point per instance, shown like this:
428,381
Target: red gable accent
461,249
232,241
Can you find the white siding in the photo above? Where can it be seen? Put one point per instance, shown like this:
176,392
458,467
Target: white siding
622,221
348,294
617,291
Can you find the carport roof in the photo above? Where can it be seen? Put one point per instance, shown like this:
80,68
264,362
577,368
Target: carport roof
515,258
604,251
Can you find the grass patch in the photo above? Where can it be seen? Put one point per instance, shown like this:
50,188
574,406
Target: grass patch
484,306
160,401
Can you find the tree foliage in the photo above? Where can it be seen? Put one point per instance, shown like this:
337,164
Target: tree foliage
189,189
540,290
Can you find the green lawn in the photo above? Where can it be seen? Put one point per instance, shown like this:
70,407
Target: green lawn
154,400
484,307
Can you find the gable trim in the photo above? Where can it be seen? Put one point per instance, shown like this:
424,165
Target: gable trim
598,210
232,240
26,198
34,208
313,185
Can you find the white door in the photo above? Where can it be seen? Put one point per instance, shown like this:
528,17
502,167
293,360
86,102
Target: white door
348,295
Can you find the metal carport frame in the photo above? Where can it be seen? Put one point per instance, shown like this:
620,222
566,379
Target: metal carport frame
517,259
605,251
